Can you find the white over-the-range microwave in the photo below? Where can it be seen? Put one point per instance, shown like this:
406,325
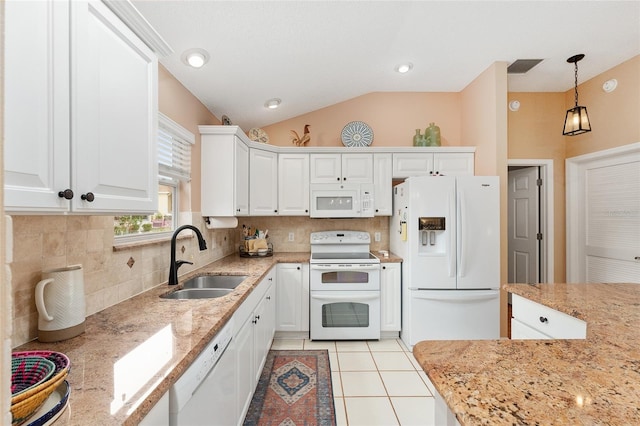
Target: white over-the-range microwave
341,200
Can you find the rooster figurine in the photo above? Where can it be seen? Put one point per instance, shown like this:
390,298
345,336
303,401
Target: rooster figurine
300,141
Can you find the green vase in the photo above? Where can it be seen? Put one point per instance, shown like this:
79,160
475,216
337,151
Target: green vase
418,139
432,135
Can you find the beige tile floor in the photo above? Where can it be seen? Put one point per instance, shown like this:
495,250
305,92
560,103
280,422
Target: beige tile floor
374,382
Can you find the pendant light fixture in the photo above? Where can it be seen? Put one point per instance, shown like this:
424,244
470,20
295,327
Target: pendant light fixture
577,120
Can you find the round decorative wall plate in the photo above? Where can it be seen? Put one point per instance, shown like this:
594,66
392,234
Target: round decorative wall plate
356,133
258,135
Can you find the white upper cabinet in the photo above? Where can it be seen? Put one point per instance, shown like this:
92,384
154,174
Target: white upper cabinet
225,157
263,186
341,168
407,164
383,186
293,184
81,111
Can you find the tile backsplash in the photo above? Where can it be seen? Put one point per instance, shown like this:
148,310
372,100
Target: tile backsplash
111,276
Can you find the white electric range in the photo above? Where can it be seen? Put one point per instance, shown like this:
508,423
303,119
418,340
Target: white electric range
345,287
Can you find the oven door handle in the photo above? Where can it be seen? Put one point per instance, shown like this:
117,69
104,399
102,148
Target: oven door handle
349,298
358,267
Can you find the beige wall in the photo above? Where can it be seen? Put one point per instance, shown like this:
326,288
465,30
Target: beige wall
393,117
615,116
484,125
535,132
181,106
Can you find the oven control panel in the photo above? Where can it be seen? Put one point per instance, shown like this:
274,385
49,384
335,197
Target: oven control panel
340,237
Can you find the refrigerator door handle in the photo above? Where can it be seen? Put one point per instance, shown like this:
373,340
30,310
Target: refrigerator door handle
454,296
462,245
451,257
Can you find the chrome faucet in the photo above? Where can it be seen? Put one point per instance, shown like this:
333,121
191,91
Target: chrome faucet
175,264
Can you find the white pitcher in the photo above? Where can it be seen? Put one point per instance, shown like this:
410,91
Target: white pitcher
61,304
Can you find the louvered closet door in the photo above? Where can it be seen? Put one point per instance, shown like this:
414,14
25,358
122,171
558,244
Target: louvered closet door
612,222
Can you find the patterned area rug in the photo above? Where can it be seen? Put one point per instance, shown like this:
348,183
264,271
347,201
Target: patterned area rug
294,389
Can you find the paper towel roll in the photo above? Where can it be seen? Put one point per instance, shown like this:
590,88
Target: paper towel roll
221,222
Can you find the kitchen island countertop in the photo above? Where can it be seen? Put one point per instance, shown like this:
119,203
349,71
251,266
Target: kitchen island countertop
591,381
109,385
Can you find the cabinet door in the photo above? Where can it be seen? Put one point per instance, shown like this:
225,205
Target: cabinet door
326,168
521,331
263,178
241,179
36,106
114,104
357,168
453,164
383,185
293,184
288,297
412,164
264,316
390,297
245,384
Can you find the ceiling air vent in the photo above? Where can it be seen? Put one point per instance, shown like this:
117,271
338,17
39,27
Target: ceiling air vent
522,66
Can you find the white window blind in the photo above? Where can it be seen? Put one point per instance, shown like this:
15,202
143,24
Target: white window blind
174,149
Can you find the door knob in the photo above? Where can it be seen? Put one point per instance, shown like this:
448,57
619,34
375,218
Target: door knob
67,194
88,197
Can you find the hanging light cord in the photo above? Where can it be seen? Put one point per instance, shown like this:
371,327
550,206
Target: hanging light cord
576,83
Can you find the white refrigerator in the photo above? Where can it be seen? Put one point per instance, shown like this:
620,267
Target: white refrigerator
447,230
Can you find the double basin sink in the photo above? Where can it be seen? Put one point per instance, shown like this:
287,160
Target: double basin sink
206,287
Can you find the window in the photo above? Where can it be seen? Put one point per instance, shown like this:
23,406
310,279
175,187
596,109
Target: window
174,169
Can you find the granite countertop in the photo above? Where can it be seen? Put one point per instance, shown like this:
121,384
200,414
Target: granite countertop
526,382
129,337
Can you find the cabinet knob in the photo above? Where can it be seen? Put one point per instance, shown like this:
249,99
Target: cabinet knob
275,211
270,278
338,178
257,318
306,211
88,197
298,268
384,267
543,319
344,178
268,297
67,194
431,172
377,210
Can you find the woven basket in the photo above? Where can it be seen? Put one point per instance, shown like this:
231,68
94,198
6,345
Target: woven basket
21,411
28,372
62,365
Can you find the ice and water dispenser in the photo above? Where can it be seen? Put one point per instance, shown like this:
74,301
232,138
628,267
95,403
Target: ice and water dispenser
431,231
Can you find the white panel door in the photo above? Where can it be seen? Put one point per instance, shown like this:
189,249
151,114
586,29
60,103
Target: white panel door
263,182
114,108
478,232
326,168
36,105
390,297
383,184
612,226
288,296
523,210
357,168
453,164
293,184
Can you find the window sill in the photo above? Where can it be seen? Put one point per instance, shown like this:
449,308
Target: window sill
136,242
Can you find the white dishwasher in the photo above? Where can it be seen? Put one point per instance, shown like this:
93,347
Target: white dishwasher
206,393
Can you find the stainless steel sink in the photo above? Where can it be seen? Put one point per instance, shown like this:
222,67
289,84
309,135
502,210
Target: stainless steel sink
197,293
214,282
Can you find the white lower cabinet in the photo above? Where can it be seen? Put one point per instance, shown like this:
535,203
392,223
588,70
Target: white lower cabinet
256,319
390,296
292,295
531,320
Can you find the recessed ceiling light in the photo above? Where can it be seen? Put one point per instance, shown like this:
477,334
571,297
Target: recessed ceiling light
273,103
404,68
195,58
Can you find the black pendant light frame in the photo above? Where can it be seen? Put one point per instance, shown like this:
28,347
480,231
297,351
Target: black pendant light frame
577,120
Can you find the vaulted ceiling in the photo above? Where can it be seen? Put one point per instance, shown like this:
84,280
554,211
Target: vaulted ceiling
312,54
